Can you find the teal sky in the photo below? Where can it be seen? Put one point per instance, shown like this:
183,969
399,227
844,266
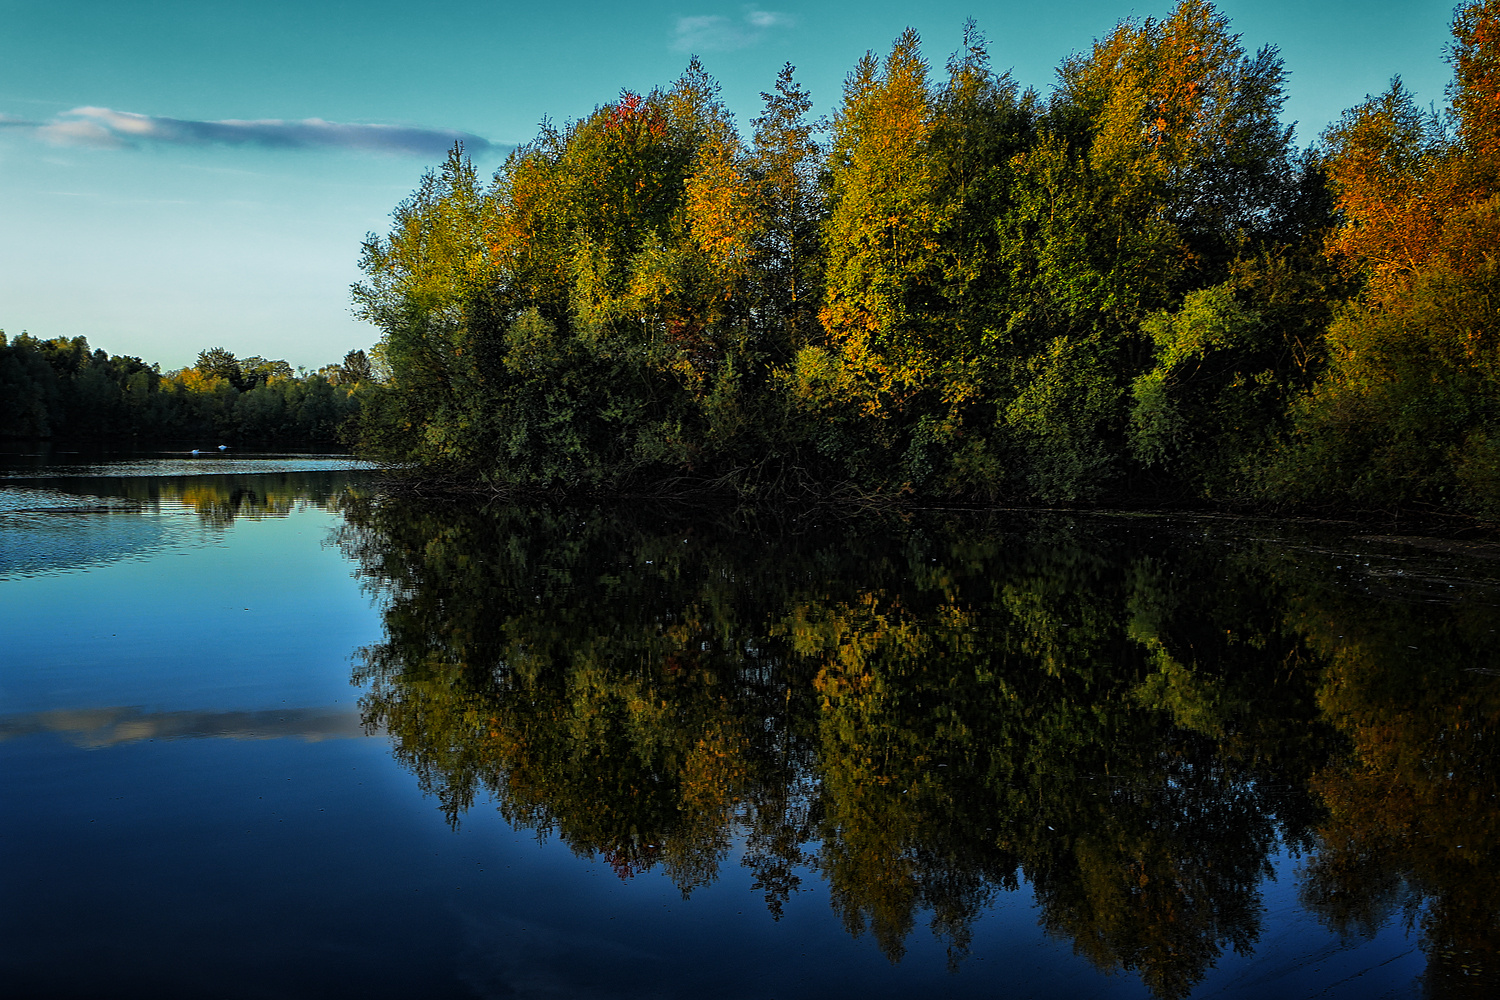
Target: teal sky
176,176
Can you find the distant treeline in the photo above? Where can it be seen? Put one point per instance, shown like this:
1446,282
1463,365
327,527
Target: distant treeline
59,389
1134,286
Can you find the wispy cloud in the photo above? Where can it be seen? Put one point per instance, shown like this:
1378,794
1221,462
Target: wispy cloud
106,128
717,33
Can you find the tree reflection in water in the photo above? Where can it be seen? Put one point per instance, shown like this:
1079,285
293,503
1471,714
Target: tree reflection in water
54,524
220,500
1129,716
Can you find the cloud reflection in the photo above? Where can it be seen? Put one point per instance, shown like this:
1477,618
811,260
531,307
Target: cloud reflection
94,728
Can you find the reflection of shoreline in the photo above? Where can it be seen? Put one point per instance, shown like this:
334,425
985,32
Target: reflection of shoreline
217,499
52,525
94,728
181,464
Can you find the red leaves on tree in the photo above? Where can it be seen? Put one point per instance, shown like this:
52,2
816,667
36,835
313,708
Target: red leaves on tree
631,116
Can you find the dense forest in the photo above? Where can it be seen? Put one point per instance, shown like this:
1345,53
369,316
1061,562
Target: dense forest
1134,286
60,390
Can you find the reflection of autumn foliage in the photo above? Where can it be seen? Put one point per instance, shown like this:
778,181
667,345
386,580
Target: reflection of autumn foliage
1144,847
1164,875
222,499
923,716
629,860
215,503
1414,812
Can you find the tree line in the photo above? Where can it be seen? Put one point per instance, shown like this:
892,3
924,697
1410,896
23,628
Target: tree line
60,390
1133,286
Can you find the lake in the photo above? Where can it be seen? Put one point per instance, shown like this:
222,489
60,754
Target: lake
269,731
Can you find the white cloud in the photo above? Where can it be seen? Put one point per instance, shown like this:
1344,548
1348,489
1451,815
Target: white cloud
80,133
766,19
717,33
110,129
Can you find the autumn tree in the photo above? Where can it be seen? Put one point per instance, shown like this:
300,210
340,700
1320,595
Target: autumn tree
1133,285
1409,411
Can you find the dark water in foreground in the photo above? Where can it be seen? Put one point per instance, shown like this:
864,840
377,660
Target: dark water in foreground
621,754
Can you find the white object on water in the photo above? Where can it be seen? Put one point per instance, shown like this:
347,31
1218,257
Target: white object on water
223,447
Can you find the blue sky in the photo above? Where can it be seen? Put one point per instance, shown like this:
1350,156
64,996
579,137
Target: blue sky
176,176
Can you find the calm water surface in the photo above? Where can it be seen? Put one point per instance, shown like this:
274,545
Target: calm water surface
266,733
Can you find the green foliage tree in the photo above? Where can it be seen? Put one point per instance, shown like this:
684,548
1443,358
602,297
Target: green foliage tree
788,264
61,390
217,363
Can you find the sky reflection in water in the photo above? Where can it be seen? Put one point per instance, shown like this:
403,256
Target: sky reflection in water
958,757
